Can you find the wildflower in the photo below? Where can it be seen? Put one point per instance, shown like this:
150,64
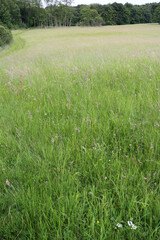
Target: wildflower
77,129
119,225
52,140
7,183
132,225
90,193
133,161
3,169
29,115
134,125
105,178
59,171
139,162
46,181
154,174
97,221
151,147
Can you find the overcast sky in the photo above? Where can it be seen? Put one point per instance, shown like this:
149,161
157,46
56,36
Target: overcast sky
138,2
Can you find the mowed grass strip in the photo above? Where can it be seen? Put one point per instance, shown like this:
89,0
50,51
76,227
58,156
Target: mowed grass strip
80,134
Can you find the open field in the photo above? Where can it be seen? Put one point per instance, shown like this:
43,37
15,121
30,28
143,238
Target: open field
80,134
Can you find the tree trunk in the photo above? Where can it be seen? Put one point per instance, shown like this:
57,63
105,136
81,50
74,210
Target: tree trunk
59,22
55,21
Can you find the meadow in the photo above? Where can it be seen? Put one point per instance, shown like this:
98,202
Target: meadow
80,134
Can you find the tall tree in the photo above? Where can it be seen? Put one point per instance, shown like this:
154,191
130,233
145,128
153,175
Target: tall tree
121,15
90,17
108,13
30,13
157,15
5,16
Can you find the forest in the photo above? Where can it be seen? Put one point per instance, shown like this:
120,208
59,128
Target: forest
16,14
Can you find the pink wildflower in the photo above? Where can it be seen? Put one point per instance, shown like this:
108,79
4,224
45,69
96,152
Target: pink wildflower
8,183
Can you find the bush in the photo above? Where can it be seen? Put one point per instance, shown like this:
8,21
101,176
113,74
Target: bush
5,36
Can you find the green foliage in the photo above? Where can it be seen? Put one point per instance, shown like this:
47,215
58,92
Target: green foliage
157,15
121,14
134,13
5,36
10,13
90,17
108,15
5,16
30,13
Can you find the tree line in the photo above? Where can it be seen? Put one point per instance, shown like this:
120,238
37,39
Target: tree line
31,13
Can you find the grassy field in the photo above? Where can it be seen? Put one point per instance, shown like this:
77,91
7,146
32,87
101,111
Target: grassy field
80,134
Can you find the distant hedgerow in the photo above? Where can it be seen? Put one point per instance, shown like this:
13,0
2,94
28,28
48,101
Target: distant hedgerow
5,36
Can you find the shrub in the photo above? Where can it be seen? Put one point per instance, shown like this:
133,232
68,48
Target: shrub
5,36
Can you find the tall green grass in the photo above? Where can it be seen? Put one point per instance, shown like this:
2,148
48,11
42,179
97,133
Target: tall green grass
80,135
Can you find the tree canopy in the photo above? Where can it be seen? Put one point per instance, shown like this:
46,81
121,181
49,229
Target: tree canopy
31,13
157,15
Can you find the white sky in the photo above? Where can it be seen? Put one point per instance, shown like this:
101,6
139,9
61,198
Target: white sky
134,2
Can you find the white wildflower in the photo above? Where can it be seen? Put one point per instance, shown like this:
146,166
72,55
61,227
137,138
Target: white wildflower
119,225
131,225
